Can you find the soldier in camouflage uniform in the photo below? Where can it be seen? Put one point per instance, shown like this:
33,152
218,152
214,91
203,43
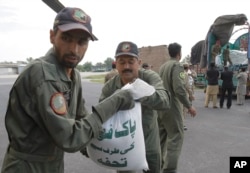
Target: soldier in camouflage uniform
171,121
46,115
216,48
128,66
226,56
112,73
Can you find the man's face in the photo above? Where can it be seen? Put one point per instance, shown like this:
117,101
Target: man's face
127,67
70,46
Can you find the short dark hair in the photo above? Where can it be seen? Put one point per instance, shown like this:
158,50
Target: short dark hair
174,49
145,65
212,64
243,69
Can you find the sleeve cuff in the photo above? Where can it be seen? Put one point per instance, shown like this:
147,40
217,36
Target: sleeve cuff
95,124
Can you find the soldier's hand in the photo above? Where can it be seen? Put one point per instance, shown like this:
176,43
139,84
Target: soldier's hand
121,100
192,111
124,97
191,98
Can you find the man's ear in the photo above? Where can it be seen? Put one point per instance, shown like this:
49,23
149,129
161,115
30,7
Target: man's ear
52,36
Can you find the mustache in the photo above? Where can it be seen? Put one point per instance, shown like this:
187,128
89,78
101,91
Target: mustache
127,70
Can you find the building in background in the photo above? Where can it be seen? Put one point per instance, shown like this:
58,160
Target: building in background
154,55
9,69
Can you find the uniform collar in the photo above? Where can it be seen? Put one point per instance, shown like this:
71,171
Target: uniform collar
50,58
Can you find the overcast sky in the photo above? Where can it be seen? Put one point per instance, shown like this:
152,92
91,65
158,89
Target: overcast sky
25,24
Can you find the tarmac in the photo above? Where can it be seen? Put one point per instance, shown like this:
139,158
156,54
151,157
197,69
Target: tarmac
212,138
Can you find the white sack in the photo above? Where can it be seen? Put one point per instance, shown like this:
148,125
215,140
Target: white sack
122,146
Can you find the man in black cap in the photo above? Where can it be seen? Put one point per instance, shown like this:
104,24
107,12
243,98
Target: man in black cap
226,56
46,114
212,76
227,86
146,66
128,66
112,73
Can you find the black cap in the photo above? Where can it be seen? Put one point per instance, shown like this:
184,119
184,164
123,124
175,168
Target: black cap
145,65
127,48
73,18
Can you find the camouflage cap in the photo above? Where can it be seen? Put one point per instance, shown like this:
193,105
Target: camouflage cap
73,18
127,48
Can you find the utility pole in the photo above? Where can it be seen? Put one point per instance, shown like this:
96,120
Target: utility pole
54,5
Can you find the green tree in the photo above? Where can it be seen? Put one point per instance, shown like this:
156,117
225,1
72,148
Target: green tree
186,59
108,63
87,66
80,67
29,59
99,66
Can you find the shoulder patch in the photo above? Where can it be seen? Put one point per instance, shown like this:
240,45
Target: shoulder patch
58,103
182,75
